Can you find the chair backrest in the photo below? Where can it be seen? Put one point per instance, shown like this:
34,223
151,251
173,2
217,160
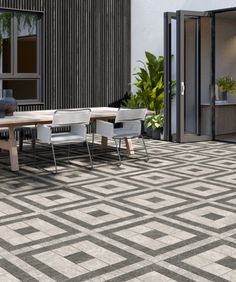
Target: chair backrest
70,117
124,115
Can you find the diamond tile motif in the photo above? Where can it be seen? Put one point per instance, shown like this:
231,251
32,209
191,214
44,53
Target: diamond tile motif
54,198
79,259
97,215
151,273
109,187
32,230
214,262
227,179
154,236
207,190
154,200
155,178
170,219
195,171
204,215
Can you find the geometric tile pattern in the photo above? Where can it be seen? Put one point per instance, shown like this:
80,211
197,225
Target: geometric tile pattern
170,219
155,236
209,216
215,261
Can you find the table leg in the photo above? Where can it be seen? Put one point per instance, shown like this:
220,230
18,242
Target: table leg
13,150
129,146
128,142
104,142
10,145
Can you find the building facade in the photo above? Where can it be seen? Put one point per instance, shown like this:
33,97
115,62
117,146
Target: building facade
78,52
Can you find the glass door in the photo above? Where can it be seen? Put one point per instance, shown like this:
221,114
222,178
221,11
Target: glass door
190,106
193,77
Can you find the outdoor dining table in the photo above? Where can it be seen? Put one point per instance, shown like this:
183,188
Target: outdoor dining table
20,119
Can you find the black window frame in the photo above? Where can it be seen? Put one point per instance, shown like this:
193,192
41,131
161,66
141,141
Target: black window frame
39,75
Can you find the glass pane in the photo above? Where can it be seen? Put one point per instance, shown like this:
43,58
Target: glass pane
5,42
26,43
22,89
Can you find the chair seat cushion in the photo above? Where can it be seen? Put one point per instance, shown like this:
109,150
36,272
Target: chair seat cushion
66,137
123,132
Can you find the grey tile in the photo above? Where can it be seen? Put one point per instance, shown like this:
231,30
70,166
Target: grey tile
154,234
98,213
26,230
79,257
54,197
155,200
213,216
229,262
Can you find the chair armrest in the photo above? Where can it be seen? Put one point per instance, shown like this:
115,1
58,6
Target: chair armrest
105,128
44,133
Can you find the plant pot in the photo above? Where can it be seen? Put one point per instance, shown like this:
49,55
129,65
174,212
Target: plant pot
149,132
156,133
8,104
223,96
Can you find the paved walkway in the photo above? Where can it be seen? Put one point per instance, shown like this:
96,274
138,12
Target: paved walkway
171,219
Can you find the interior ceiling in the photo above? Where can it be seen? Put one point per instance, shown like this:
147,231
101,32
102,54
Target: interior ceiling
227,15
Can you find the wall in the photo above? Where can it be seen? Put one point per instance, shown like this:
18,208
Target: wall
87,50
147,23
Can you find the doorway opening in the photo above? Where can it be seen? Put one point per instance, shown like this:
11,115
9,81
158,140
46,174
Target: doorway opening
200,47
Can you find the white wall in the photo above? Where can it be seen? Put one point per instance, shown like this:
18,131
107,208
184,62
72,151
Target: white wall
147,23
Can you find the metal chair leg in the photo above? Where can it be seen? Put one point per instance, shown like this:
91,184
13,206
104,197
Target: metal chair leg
145,148
119,144
34,137
93,127
90,157
68,154
54,158
118,152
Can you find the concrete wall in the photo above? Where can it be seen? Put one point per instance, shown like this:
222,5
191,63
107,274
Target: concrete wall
147,23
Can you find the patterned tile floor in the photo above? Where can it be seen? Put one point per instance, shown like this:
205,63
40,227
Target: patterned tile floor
171,219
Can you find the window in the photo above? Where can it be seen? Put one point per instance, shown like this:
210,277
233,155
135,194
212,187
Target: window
21,55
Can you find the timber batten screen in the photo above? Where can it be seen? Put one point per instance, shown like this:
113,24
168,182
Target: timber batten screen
87,50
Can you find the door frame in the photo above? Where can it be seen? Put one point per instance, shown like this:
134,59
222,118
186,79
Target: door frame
180,76
168,16
168,70
181,136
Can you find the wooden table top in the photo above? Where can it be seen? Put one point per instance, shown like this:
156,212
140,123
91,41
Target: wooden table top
45,117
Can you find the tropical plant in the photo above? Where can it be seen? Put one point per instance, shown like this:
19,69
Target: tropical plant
154,121
150,85
226,84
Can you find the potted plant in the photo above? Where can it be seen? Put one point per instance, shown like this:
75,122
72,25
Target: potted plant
226,85
150,89
154,124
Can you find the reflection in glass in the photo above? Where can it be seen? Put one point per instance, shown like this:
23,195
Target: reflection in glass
5,42
22,89
26,43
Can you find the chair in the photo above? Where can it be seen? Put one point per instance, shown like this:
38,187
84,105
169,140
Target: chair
131,127
77,120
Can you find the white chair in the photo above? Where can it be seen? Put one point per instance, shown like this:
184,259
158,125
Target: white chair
130,120
77,120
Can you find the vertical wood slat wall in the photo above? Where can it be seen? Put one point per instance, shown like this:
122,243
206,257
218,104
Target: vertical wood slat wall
87,50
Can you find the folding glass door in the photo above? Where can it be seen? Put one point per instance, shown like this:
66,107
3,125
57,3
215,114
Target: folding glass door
188,107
